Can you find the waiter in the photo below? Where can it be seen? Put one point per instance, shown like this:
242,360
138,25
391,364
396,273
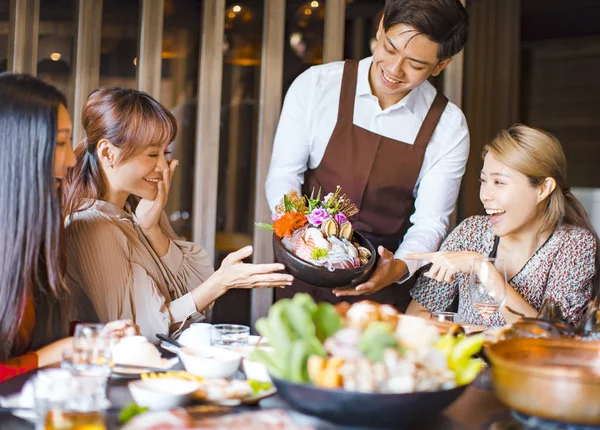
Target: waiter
381,131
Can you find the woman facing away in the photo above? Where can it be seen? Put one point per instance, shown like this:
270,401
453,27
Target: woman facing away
123,258
35,155
534,223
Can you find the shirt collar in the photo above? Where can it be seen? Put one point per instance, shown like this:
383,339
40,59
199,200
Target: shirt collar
113,210
363,87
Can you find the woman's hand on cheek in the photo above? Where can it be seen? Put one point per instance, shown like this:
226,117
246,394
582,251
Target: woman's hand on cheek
148,212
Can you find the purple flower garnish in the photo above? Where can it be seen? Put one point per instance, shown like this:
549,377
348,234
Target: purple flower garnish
341,218
317,217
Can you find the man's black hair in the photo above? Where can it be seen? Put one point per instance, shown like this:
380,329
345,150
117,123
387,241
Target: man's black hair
444,22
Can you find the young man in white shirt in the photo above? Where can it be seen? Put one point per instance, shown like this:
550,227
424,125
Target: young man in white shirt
379,129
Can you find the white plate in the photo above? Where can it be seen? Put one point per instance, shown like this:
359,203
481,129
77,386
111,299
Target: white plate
252,340
123,372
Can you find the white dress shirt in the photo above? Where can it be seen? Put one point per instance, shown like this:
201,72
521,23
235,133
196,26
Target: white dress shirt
309,116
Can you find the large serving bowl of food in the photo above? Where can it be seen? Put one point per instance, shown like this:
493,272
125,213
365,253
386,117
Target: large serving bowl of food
556,379
322,276
315,240
365,364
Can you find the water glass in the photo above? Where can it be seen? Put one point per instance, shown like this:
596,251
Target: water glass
487,285
51,391
229,335
92,350
91,362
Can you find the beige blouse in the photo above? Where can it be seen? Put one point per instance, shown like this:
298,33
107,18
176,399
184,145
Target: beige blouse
114,273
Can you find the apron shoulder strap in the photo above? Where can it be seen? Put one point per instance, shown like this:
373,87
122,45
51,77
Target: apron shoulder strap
431,120
348,92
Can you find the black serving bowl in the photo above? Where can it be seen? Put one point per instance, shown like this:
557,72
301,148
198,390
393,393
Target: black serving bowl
322,277
366,409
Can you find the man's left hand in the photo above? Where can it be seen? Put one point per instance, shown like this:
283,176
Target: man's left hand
388,271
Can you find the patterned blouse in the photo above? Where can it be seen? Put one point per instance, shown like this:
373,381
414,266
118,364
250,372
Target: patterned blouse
562,268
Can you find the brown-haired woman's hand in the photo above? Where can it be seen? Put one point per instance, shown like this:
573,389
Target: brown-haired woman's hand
121,328
148,212
234,273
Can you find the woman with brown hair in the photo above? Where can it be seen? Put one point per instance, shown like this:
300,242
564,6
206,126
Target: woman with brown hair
534,223
124,260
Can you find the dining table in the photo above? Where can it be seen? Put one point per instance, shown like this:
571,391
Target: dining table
476,409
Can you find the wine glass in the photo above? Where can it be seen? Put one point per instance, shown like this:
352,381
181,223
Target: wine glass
487,285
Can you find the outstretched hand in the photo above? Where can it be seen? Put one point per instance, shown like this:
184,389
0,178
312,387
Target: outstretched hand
234,273
388,271
446,264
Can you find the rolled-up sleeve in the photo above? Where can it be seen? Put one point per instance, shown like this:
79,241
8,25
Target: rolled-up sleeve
436,195
291,148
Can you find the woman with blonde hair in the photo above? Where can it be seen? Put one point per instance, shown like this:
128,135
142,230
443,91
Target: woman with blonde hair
533,222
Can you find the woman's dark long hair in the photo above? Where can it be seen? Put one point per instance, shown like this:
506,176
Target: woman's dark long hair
31,249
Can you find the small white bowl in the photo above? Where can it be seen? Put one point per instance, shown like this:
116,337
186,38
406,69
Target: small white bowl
162,393
210,362
196,336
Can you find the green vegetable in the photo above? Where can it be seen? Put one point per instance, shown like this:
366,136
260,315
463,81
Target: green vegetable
468,371
460,351
464,350
130,411
299,354
264,226
274,366
306,301
289,207
327,320
319,253
300,320
376,338
446,344
296,330
258,386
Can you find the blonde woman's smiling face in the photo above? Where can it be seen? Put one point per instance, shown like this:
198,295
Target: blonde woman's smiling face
508,197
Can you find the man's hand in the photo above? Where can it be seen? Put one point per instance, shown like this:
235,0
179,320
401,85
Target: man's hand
388,271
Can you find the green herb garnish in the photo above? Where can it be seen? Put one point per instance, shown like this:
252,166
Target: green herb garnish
258,386
319,253
130,411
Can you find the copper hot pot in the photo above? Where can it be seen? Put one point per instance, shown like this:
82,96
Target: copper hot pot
555,379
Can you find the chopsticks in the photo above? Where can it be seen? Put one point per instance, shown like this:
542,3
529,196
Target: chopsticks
169,340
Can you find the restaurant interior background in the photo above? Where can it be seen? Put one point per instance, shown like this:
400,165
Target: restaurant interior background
532,61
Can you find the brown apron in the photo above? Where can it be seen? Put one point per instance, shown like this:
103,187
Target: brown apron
379,175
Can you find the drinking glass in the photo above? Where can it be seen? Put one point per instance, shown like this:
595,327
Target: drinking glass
92,361
62,401
229,335
92,349
487,285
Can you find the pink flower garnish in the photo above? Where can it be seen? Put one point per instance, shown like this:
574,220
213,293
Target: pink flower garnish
317,217
341,218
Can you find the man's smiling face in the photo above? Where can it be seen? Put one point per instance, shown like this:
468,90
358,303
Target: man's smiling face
402,60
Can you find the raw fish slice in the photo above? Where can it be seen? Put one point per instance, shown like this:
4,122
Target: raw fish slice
304,249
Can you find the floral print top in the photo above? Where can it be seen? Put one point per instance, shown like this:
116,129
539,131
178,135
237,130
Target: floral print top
562,269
